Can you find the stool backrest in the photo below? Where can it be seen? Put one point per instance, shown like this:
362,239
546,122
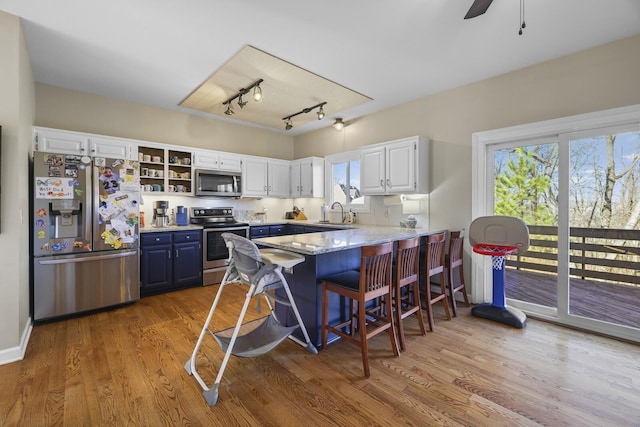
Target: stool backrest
375,268
456,246
407,261
434,262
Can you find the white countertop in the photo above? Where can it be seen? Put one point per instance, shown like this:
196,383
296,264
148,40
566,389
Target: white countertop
331,241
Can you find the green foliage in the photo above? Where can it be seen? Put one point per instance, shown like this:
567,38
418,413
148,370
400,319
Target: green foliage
520,190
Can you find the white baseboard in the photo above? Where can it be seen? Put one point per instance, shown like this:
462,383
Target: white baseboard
15,354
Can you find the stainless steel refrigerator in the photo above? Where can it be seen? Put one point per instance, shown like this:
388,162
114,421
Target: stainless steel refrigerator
84,233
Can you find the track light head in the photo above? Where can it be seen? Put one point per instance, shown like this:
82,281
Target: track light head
338,124
228,111
320,113
288,124
240,103
257,93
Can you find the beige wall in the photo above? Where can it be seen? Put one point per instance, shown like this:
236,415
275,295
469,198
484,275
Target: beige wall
592,80
83,112
17,105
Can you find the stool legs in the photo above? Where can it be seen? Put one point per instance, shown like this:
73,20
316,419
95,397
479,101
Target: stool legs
454,260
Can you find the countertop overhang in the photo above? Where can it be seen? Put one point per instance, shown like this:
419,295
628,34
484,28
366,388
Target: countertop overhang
332,241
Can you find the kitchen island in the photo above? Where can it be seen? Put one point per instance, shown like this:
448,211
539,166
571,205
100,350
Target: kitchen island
328,253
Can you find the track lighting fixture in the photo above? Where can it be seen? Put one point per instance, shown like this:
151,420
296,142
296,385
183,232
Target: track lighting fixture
257,92
241,104
257,96
288,123
338,124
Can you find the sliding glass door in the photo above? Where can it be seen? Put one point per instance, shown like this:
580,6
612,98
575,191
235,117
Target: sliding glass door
603,221
579,193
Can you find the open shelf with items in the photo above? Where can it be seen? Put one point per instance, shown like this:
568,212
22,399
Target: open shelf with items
152,161
165,170
179,171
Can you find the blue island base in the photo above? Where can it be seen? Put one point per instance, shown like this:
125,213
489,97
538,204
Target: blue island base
507,315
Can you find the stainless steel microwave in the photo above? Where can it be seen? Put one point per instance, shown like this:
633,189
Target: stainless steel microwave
217,183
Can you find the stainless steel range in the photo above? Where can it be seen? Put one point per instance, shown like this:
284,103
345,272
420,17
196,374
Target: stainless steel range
214,251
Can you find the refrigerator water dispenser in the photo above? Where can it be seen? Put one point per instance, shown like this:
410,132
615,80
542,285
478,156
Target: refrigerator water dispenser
66,217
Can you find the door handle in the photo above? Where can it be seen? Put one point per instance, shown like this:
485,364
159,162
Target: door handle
388,183
169,254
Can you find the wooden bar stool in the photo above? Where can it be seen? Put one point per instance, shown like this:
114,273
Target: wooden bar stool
453,261
406,280
371,282
434,266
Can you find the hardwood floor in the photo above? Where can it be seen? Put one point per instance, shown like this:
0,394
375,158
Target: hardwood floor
125,367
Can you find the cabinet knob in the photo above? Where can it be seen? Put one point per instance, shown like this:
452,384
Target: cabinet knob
188,237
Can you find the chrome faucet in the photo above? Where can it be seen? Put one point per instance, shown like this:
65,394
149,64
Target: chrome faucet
341,209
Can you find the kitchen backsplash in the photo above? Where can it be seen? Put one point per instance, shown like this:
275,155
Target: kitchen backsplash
381,212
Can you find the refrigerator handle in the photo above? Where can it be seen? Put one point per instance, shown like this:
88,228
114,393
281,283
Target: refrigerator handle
85,258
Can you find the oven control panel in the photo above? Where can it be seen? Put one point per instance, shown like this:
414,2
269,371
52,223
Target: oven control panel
211,212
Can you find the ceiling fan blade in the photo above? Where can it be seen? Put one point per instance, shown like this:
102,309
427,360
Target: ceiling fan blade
478,8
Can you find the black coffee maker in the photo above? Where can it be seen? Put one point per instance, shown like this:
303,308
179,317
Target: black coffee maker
161,213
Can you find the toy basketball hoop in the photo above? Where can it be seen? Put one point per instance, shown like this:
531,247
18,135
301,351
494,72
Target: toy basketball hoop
497,237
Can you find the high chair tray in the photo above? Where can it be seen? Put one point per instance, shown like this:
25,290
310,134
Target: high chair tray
279,257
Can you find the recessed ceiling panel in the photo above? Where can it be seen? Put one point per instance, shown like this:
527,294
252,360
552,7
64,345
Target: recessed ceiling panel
286,88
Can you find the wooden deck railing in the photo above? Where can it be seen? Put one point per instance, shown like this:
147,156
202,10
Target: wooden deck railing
611,255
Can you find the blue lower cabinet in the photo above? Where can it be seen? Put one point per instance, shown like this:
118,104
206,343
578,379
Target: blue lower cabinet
276,230
170,260
256,232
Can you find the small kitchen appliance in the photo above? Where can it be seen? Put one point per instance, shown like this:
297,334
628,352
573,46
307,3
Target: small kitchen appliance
160,213
181,216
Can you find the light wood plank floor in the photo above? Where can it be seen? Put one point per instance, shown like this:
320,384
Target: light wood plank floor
125,367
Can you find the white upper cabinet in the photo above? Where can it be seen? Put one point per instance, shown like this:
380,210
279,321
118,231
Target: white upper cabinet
278,183
372,171
254,177
56,141
307,177
265,177
207,159
396,167
68,142
114,148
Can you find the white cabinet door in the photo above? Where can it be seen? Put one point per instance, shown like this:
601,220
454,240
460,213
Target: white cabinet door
205,159
230,163
113,148
295,179
278,179
53,141
372,171
400,167
307,177
254,177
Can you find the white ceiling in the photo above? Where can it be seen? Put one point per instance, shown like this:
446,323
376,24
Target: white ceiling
157,52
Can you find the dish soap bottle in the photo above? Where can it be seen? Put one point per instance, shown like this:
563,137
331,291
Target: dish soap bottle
350,217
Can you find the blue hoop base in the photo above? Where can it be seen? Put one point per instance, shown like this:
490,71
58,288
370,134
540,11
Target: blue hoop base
507,315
